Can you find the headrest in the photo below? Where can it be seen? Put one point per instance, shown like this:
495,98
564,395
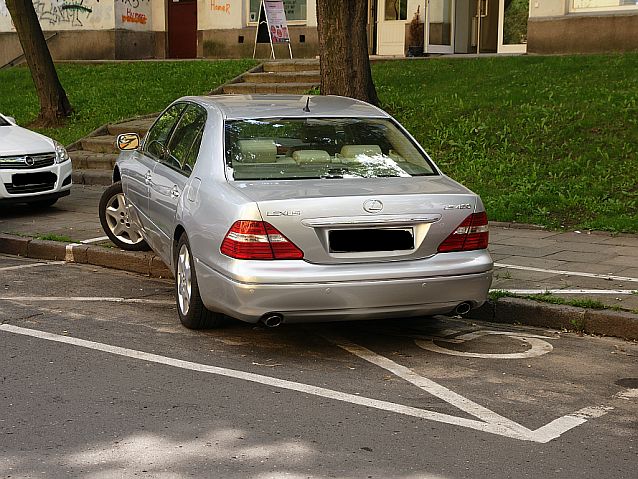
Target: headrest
258,151
311,156
351,151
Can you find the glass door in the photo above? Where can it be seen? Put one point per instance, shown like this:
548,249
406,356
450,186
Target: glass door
512,31
439,26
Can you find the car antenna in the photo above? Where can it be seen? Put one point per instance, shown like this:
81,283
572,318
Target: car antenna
306,108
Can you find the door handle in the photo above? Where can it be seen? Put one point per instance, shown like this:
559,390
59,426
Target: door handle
175,192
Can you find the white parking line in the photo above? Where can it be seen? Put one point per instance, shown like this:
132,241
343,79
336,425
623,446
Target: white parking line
501,426
566,291
94,240
569,273
30,265
86,298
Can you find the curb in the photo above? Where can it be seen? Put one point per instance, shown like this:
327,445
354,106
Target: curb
504,310
531,313
141,262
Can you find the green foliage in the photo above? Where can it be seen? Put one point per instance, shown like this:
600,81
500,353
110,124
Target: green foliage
105,93
543,140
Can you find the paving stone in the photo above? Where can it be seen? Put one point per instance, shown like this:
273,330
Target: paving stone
579,256
524,233
628,261
526,252
526,242
118,259
10,244
625,250
537,262
583,238
43,249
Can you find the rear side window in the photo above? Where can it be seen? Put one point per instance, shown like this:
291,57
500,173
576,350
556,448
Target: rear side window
160,132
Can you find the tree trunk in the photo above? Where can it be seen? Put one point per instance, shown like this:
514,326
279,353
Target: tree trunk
54,104
343,49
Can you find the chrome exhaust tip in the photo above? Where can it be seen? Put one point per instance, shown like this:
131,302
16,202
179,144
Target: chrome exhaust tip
272,320
463,308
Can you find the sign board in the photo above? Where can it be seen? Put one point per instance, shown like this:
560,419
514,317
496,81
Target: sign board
272,26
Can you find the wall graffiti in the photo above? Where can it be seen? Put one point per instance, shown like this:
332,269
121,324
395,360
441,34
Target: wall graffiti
56,12
132,14
134,17
216,6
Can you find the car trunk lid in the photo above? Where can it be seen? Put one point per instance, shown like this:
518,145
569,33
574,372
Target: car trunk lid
363,220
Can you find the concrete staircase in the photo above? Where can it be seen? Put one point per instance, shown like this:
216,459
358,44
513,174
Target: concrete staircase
285,76
94,156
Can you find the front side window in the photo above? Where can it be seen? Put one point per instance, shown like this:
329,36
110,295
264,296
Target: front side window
4,122
157,137
186,139
307,148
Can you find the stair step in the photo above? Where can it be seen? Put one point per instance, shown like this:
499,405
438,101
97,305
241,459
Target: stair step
292,66
140,127
82,159
290,88
92,177
283,77
100,144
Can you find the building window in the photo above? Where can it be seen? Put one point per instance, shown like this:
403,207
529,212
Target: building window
295,10
396,9
595,5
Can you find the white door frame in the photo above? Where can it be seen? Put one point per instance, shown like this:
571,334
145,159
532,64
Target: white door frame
500,47
439,48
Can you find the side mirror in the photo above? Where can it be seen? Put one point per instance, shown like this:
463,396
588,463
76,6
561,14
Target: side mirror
11,119
128,141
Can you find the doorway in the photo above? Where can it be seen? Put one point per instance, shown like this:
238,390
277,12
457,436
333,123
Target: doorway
462,26
372,27
182,28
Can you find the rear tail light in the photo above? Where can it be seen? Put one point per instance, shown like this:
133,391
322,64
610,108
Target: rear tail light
258,240
471,234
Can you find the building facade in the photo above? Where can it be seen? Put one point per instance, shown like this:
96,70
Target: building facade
131,29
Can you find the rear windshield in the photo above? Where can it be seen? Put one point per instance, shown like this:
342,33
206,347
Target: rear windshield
299,148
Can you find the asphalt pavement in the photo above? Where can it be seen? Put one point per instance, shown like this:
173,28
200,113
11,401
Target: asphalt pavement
99,379
598,269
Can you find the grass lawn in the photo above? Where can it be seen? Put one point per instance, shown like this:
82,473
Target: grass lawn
544,140
104,93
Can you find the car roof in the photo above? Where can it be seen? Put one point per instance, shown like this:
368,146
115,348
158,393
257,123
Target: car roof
236,107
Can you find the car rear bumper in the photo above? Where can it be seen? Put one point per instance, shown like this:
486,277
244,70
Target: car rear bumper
341,300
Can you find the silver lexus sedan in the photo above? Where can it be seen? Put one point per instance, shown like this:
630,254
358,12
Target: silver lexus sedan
281,208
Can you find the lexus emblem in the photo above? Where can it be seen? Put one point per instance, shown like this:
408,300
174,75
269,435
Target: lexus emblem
29,161
372,206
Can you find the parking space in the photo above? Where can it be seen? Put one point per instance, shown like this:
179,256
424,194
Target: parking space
102,369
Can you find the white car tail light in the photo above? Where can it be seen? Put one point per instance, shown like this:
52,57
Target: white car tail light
258,240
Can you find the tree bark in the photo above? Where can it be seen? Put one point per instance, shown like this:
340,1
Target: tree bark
343,49
54,104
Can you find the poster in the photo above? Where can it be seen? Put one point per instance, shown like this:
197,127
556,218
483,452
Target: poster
276,20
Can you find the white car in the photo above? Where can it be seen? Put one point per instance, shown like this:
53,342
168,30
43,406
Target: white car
33,168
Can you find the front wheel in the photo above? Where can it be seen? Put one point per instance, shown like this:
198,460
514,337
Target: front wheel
192,312
116,222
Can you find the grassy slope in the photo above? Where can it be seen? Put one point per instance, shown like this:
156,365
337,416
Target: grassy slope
105,93
545,140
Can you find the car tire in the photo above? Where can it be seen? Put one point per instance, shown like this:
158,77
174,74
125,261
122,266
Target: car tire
115,220
190,307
